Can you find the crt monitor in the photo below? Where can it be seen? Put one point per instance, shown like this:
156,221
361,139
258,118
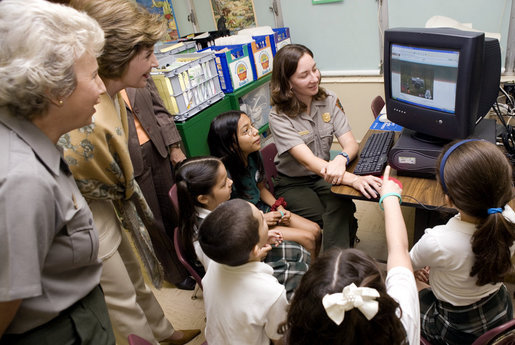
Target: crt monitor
440,82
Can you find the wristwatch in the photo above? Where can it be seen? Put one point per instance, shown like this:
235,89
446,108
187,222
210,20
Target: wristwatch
175,145
344,154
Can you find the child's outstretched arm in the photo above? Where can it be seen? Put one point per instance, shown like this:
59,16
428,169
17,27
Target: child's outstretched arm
396,234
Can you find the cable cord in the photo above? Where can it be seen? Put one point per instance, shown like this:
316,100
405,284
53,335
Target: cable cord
424,206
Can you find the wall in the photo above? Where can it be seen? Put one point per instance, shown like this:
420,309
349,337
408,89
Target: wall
343,35
356,95
487,16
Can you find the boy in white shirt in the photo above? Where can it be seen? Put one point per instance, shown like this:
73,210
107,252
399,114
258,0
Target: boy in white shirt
244,302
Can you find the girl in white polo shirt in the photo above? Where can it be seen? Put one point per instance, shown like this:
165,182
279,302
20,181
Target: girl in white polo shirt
465,260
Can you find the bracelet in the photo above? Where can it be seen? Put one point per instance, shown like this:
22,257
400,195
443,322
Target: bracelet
277,203
345,154
387,195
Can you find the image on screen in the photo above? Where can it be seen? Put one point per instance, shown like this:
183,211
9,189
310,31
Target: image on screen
424,77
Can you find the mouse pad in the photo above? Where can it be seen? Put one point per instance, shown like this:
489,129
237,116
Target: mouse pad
385,126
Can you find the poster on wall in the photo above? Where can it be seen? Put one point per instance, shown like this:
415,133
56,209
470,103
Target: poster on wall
233,15
163,8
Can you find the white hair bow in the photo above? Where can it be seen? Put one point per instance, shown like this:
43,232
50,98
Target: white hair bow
363,298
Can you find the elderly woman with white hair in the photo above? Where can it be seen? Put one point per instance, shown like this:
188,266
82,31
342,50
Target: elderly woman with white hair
49,277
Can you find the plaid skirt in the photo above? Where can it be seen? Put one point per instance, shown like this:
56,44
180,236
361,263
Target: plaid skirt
443,323
290,261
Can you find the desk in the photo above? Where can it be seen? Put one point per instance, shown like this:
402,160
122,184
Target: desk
426,191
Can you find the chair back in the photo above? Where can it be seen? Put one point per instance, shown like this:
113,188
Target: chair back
137,340
172,194
268,154
423,341
377,105
182,259
500,335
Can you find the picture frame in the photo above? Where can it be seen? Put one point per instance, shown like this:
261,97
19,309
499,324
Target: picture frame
233,15
163,8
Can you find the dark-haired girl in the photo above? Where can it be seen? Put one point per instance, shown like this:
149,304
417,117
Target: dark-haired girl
234,139
467,259
344,298
203,184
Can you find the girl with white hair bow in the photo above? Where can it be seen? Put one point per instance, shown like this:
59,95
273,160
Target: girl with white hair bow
345,299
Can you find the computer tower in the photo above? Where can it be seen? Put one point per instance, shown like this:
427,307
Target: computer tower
412,157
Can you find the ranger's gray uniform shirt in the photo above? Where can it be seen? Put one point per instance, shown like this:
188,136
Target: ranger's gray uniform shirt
48,246
316,129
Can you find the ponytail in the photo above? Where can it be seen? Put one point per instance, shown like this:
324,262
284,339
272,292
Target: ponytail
490,265
187,220
194,177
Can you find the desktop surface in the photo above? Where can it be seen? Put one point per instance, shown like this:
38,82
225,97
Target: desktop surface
425,190
415,157
424,194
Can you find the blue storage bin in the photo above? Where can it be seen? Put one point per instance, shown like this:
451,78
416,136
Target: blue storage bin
235,67
283,37
274,38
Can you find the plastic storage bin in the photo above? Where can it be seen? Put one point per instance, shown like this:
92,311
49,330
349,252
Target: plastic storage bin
172,48
256,104
206,39
273,41
283,37
262,54
194,130
235,66
188,83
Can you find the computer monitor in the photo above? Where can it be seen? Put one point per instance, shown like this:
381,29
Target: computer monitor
440,82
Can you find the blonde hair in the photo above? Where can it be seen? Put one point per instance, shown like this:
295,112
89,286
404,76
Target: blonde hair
128,28
39,44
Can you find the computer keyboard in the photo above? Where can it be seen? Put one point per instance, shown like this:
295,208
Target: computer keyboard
374,156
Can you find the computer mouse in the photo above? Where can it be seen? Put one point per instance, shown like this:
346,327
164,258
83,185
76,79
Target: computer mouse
383,118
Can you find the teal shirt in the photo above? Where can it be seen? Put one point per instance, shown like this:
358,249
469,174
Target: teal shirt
250,181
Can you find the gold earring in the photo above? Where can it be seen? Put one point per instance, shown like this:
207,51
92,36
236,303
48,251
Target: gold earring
60,102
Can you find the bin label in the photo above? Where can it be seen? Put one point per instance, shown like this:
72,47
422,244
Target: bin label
264,61
241,74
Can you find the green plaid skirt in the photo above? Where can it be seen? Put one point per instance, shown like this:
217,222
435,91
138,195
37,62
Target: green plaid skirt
290,261
443,323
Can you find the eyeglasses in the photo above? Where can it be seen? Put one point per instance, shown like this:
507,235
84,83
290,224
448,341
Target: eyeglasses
249,130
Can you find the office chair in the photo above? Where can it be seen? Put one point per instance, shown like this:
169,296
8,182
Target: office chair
172,194
424,341
137,340
268,154
377,105
500,335
184,262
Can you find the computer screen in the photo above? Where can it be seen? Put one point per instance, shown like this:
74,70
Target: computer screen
440,81
425,77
